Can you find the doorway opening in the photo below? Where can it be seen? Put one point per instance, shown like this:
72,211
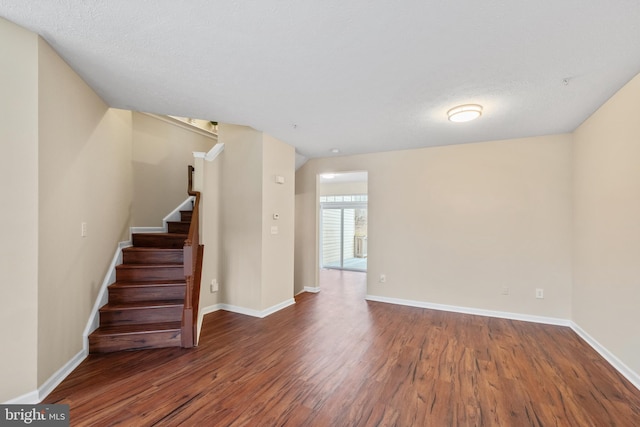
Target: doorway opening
343,221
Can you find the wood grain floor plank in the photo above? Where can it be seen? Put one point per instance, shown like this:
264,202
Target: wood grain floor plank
334,359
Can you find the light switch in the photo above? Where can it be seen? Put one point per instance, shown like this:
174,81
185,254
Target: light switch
279,179
274,229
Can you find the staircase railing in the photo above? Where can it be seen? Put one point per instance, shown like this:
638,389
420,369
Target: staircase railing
193,252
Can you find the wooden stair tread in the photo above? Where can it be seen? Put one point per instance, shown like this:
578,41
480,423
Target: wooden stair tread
136,305
147,328
150,249
150,266
136,283
176,235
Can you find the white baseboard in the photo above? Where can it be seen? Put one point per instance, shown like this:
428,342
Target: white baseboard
210,309
37,396
256,313
624,370
314,289
147,230
61,374
101,299
469,310
30,398
174,215
203,312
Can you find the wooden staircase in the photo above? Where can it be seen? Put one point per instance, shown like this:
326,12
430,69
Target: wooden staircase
154,301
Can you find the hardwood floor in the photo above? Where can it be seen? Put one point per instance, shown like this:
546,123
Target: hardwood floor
334,359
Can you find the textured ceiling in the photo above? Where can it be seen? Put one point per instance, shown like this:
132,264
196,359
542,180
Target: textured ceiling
361,76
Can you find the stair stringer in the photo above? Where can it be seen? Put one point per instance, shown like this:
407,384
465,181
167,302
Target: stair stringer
103,295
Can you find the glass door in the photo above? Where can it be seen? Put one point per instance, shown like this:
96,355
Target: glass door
344,237
331,238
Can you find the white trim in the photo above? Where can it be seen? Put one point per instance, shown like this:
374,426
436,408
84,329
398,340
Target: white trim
314,289
469,310
102,298
62,373
183,125
214,152
210,309
174,215
37,396
203,312
30,398
139,230
257,313
624,370
278,307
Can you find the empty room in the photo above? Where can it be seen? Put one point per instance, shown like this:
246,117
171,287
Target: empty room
327,214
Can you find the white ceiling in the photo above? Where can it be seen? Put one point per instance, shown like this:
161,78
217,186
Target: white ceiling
361,76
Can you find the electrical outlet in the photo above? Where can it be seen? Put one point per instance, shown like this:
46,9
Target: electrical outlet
539,293
505,290
214,286
383,278
83,229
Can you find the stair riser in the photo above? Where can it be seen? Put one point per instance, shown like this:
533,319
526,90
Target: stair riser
131,273
185,215
158,241
139,341
162,256
123,294
178,227
140,315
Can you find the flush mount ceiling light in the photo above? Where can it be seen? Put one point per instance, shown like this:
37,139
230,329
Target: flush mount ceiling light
335,150
464,113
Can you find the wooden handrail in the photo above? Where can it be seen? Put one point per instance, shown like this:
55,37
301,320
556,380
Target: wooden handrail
193,252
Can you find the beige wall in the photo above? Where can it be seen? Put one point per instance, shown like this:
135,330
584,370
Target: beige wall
161,153
19,213
210,229
85,176
277,249
606,244
453,225
241,206
338,188
256,267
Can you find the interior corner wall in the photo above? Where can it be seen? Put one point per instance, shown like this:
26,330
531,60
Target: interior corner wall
211,229
84,176
606,242
277,198
19,192
241,215
501,209
161,153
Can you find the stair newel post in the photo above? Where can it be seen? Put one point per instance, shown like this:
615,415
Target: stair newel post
192,270
187,313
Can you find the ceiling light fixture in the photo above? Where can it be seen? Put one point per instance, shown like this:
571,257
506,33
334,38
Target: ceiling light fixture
464,113
335,150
